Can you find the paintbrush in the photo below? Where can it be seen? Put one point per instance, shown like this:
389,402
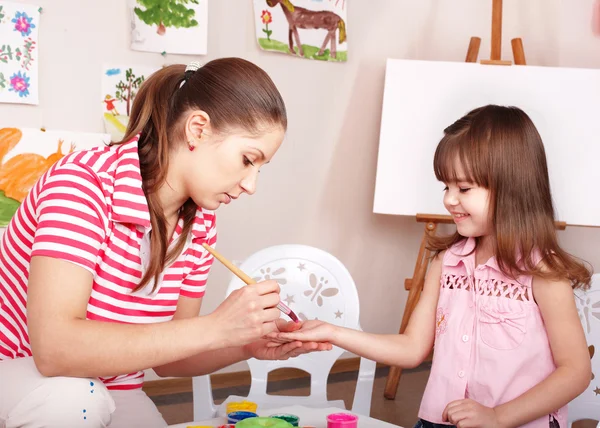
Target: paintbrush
241,275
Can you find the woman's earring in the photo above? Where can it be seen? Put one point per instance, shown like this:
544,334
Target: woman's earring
191,146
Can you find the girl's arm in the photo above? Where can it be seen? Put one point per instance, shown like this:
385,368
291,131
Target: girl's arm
567,341
64,343
405,350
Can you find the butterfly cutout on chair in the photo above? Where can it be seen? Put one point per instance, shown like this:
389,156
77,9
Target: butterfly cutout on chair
317,289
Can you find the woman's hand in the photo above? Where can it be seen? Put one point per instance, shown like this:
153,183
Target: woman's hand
247,314
267,349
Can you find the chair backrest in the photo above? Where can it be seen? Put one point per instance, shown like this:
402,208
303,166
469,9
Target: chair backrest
315,285
587,405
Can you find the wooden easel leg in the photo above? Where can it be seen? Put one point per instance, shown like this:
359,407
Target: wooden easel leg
391,384
473,51
518,52
496,30
415,287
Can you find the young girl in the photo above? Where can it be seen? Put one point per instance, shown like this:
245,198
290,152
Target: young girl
497,301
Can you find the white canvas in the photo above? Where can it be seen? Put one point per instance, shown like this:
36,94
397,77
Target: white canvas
325,35
422,98
169,26
19,25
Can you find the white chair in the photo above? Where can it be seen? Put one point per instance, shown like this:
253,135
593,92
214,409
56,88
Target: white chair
314,284
587,405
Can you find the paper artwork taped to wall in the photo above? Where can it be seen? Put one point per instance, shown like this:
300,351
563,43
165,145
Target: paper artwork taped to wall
19,24
27,153
169,26
120,85
313,29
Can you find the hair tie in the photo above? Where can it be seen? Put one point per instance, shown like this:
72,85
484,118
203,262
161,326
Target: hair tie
191,68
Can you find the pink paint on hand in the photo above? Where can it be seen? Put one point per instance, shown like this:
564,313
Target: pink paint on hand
342,420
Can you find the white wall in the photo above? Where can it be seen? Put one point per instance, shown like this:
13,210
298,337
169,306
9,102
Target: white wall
319,189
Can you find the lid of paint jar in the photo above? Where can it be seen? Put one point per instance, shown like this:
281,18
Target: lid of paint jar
263,422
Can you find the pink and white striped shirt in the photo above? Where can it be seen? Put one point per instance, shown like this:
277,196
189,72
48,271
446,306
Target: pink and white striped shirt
90,209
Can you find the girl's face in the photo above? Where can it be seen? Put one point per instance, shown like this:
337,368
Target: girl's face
468,204
220,169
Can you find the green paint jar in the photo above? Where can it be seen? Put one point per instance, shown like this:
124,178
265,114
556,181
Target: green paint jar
291,419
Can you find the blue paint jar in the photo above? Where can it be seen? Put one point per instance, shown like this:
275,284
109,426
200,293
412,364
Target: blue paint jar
235,417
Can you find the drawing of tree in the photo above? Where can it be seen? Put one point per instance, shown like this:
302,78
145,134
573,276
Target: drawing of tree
167,13
127,90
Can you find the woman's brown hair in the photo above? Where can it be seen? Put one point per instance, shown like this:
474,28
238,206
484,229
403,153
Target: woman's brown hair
500,149
235,93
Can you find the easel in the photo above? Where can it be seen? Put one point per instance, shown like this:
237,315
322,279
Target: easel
414,285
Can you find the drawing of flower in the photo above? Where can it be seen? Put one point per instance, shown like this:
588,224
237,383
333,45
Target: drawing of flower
267,18
19,82
23,23
441,322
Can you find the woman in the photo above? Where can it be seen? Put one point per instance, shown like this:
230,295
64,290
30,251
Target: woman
102,269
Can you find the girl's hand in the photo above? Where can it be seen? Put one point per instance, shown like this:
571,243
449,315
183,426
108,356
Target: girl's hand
266,349
311,331
470,414
247,314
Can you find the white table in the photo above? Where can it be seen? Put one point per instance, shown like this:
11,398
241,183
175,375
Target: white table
308,416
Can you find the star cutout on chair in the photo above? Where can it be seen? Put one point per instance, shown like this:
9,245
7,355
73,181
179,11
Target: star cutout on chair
301,266
597,391
289,299
338,314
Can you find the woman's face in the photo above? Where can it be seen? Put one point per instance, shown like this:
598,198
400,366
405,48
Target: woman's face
221,168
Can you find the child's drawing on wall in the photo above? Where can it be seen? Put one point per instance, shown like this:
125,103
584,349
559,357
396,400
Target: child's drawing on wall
119,88
314,29
169,26
19,25
26,154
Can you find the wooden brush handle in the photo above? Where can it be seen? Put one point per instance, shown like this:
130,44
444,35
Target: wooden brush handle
233,268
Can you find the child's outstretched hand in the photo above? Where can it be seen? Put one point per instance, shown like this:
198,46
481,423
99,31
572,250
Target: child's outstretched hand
470,414
311,331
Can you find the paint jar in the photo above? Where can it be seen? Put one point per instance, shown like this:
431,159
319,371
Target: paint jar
342,420
263,422
239,406
291,419
235,417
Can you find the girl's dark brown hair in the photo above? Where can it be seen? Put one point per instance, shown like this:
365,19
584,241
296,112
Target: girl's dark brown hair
500,149
235,93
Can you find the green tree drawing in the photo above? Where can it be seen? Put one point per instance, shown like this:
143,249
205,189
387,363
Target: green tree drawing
127,90
167,13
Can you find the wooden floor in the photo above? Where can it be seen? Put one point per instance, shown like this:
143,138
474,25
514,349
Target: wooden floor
176,406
